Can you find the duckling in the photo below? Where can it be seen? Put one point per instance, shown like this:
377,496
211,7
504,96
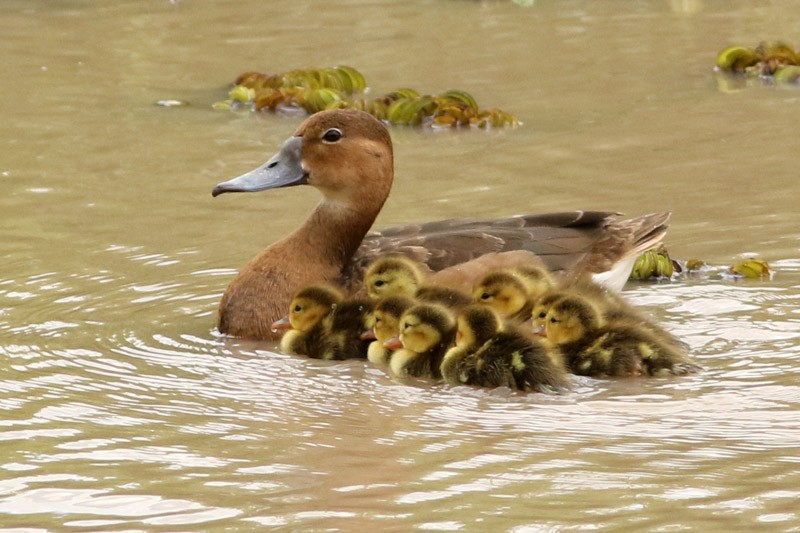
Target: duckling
506,292
612,306
307,310
393,275
452,299
536,277
488,356
343,329
385,325
396,275
426,332
593,347
347,155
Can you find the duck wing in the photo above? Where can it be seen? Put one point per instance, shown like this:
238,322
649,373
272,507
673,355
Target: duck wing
567,241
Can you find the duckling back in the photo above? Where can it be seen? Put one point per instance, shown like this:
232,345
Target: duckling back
426,332
343,329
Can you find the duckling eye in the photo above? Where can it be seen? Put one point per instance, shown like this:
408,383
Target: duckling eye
542,314
297,308
379,283
485,296
553,320
332,135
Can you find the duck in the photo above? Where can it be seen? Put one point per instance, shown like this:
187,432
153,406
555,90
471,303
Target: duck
621,347
304,326
425,333
347,155
384,325
487,354
344,327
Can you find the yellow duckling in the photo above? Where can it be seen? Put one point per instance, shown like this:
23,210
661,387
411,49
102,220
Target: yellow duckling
612,306
397,275
343,329
487,356
393,275
426,332
506,292
385,324
593,347
536,277
307,310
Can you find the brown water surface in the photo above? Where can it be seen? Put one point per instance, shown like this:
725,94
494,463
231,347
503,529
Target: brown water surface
122,410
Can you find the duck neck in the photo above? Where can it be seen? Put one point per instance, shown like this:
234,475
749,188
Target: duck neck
334,231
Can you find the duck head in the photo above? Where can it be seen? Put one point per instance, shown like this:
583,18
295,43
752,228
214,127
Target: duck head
345,153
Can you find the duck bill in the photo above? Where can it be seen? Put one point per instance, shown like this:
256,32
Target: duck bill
540,331
284,169
368,335
393,344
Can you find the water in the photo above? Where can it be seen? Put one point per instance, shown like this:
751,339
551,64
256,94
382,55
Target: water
123,411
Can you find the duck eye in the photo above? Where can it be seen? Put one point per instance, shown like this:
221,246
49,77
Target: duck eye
485,296
380,283
332,135
542,314
553,320
297,308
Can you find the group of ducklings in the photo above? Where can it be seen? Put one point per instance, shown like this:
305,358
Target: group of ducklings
521,327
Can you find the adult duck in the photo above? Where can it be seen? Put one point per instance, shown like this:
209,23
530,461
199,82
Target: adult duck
347,155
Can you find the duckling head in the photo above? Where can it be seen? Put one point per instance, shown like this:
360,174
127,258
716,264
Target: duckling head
311,304
570,319
392,275
503,291
476,324
385,318
540,308
425,326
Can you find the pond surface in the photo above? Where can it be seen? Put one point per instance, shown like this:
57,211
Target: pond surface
122,410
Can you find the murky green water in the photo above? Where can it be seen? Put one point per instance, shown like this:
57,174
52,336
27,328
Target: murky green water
122,411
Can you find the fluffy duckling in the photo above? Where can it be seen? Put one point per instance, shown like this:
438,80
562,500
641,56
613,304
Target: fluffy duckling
397,275
612,306
593,347
344,327
307,311
385,324
487,356
536,277
506,292
347,156
426,332
393,275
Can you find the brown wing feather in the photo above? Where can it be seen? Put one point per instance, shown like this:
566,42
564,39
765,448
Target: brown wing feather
564,241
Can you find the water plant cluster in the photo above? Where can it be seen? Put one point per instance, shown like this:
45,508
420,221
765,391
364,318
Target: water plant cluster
314,90
772,61
657,264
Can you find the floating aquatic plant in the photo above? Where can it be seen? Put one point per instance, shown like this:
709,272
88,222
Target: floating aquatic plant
751,268
657,264
771,61
315,90
654,264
